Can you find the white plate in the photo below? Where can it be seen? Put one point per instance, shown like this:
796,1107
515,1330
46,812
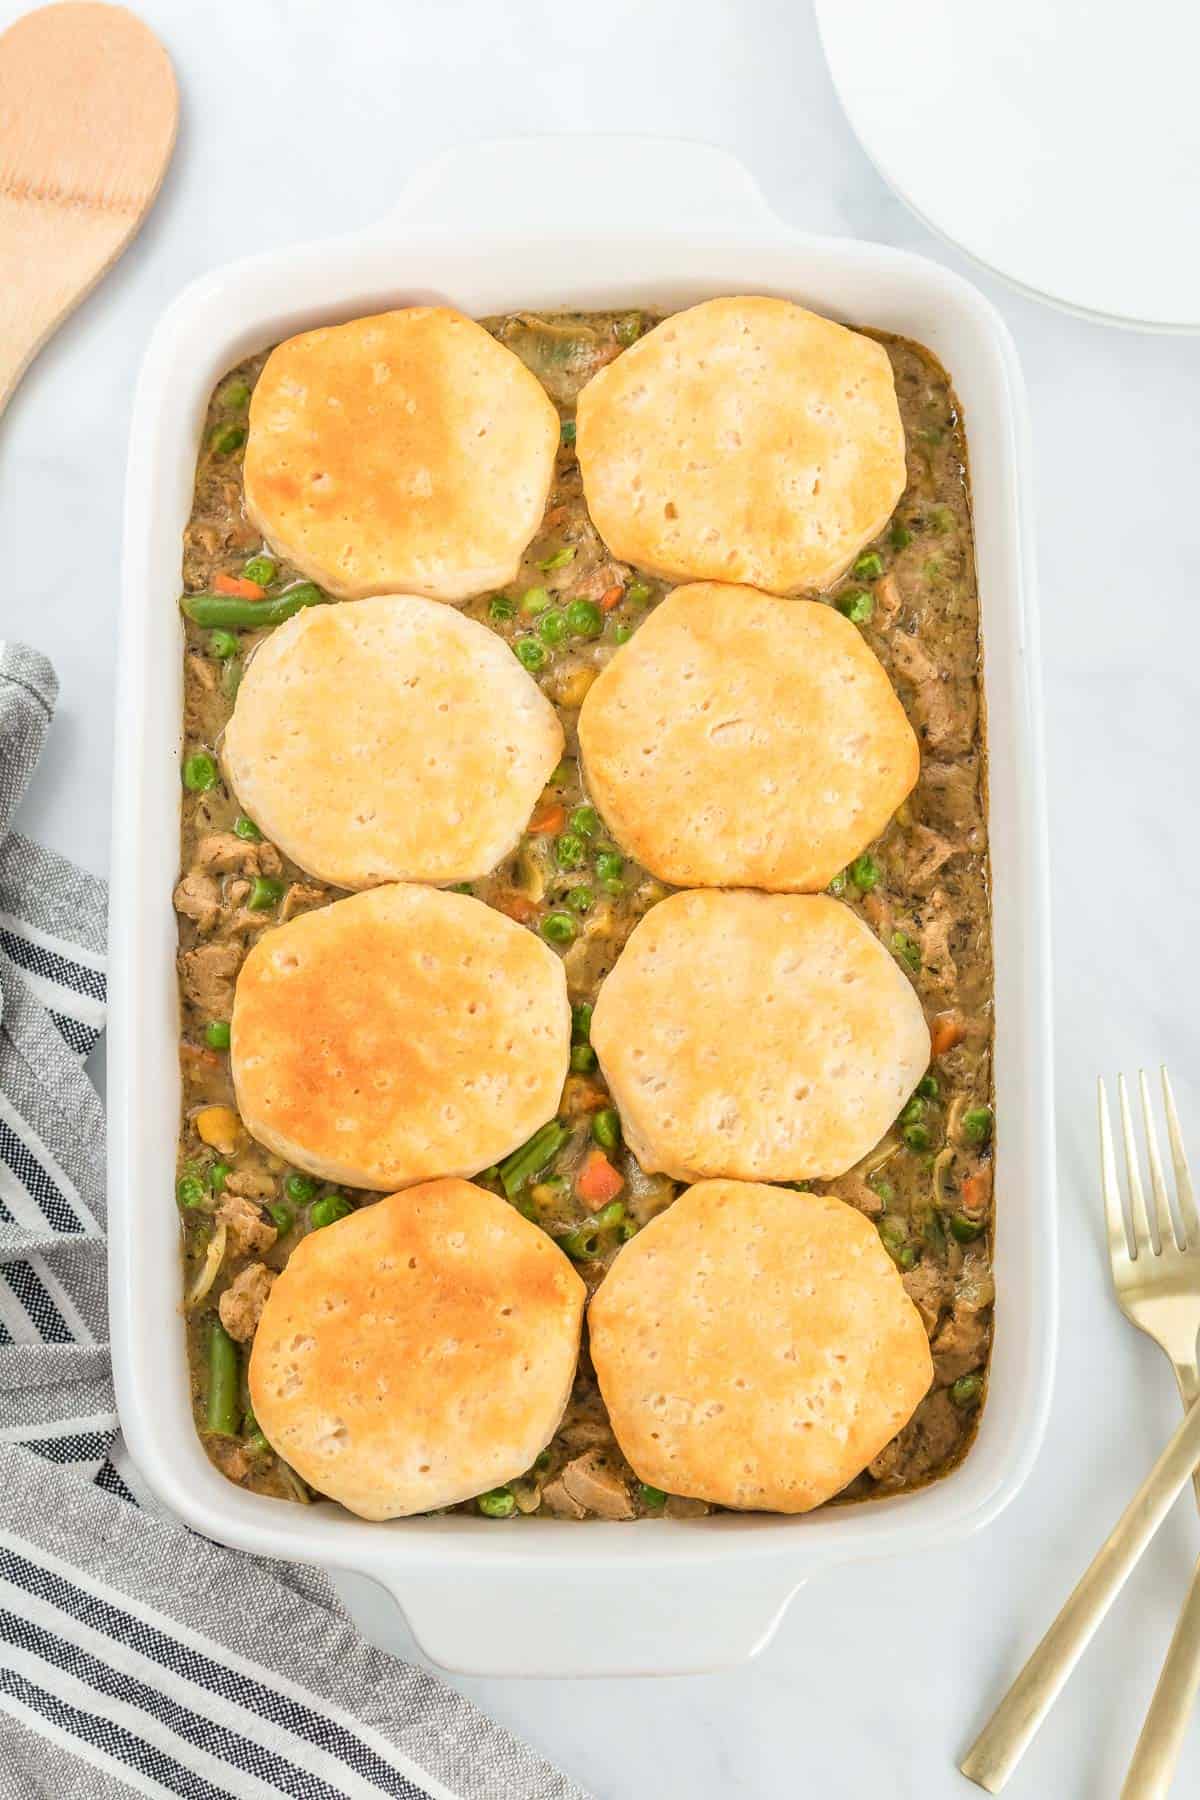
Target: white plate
1055,141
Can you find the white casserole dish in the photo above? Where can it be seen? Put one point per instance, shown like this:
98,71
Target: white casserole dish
667,224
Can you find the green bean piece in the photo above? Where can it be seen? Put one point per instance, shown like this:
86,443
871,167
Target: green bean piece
501,608
581,899
262,569
628,330
583,1059
629,1229
581,1021
639,592
231,677
230,612
558,928
570,851
247,830
893,1232
223,644
190,1190
622,634
865,872
300,1188
535,600
899,536
869,566
567,431
927,1087
329,1209
216,1034
227,438
908,953
977,1125
609,864
966,1390
582,1244
965,1229
532,1157
917,1137
552,629
610,1216
253,1435
559,559
218,1175
222,1400
531,654
499,1504
584,618
606,1128
200,772
585,821
265,892
235,395
652,1497
858,604
282,1216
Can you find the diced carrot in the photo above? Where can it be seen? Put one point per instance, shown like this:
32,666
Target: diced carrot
597,1181
516,906
237,584
196,1053
547,819
610,598
975,1191
947,1029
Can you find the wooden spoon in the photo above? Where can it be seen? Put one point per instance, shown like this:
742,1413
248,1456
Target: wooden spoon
88,111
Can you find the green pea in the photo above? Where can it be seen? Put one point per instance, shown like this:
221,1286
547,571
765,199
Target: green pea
560,558
904,948
583,1059
858,604
190,1190
609,863
639,592
869,566
622,634
865,872
907,1258
558,928
966,1390
606,1128
552,629
581,899
300,1188
913,1109
610,1216
927,1087
892,1232
222,644
227,438
501,608
499,1504
977,1124
567,431
964,1228
262,569
541,1462
531,654
535,600
235,394
612,884
917,1136
329,1209
584,618
899,536
629,329
246,829
570,851
216,1034
282,1216
585,821
837,886
200,772
581,1020
264,893
218,1175
881,1186
582,1244
652,1497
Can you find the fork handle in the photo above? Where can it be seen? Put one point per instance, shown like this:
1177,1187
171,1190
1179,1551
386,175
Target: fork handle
1170,1713
1004,1739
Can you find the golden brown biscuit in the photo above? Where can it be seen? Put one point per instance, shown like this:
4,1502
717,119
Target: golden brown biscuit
418,1352
756,1348
404,453
740,740
391,740
397,1035
743,440
761,1036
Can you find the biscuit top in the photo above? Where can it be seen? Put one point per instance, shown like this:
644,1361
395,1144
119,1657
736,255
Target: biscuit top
743,440
740,740
390,740
419,1351
755,1347
397,1035
407,452
761,1036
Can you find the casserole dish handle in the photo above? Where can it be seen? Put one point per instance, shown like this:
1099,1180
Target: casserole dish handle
665,186
538,1619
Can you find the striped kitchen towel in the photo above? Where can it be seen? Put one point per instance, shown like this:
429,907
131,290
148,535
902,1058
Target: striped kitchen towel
135,1656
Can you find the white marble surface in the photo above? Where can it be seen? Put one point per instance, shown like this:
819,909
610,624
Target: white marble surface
299,118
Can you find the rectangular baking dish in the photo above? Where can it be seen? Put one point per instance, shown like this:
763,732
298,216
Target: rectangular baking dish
669,224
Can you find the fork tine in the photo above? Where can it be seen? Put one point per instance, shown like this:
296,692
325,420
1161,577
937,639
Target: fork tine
1184,1198
1162,1206
1143,1239
1118,1237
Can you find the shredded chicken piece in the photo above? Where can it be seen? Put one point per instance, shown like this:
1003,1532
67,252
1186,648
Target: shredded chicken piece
241,1304
925,852
950,791
929,1287
679,1506
557,1500
880,914
593,1484
299,897
937,960
931,1435
224,851
208,975
251,1184
856,1192
887,599
202,682
248,1230
198,897
960,1345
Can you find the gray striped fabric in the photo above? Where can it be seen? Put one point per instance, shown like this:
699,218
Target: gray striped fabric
136,1657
